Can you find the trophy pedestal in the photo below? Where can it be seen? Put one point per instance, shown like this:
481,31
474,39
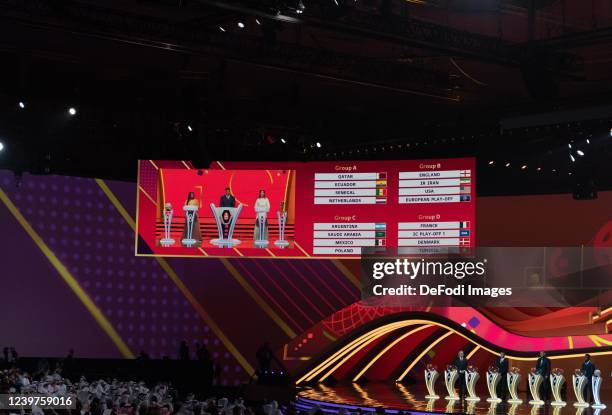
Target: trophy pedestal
189,242
225,243
261,243
281,244
534,387
166,242
471,377
450,378
558,403
598,406
494,400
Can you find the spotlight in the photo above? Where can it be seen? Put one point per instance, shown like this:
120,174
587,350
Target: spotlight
610,132
72,111
580,152
572,158
241,25
21,104
318,144
508,164
1,146
523,167
189,127
283,141
258,21
300,7
569,145
491,162
221,28
539,169
588,141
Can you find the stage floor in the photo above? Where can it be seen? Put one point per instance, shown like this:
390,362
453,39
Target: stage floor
396,397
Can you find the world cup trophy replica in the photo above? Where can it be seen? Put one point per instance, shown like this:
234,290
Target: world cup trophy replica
191,213
431,375
282,221
168,213
513,378
579,382
471,377
225,218
556,383
596,388
535,381
493,378
450,378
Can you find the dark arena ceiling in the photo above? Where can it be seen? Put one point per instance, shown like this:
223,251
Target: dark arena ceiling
508,81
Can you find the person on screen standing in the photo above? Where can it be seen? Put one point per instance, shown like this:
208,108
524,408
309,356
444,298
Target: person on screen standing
501,364
227,200
261,202
587,369
542,368
195,233
461,364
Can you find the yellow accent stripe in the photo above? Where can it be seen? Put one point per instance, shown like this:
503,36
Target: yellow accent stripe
473,352
423,353
594,340
570,342
147,195
154,165
602,340
300,248
346,272
206,317
386,349
186,165
257,298
68,278
270,252
181,286
220,165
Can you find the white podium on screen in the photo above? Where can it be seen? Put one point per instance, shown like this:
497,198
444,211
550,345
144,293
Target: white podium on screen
225,241
168,213
262,216
282,220
191,213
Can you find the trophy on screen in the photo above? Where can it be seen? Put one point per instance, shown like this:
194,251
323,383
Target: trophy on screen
191,212
579,382
556,382
471,377
282,221
450,378
168,213
226,218
596,385
535,380
493,378
431,375
514,378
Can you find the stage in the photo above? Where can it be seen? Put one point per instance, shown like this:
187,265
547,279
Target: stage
410,398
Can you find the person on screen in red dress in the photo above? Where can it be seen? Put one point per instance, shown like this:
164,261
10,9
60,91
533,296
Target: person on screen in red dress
195,233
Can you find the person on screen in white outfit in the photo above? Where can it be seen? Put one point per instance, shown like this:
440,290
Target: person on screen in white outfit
261,202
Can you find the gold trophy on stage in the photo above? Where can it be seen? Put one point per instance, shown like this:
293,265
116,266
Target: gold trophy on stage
431,375
514,378
556,382
535,381
450,378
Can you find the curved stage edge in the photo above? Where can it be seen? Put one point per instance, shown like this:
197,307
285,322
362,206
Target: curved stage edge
399,398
